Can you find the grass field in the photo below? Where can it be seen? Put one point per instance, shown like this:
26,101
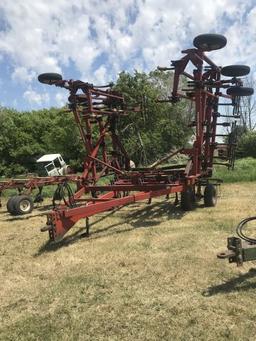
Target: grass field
245,170
147,272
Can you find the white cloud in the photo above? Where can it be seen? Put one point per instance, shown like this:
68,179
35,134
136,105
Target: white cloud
51,36
101,75
61,98
22,74
34,97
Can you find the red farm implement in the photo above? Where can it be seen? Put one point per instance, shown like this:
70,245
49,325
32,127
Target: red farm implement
23,201
102,107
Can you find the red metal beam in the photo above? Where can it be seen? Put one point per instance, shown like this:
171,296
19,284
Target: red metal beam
62,220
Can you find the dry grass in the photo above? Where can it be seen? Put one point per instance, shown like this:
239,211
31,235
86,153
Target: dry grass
148,272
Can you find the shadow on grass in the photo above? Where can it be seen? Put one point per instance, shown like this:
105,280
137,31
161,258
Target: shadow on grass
50,246
26,217
44,209
3,210
236,284
145,217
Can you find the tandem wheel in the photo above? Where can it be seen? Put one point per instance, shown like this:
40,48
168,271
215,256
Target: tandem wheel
20,204
187,199
210,195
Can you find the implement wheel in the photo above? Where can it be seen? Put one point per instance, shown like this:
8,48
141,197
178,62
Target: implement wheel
235,70
187,199
210,42
49,78
10,205
239,91
210,195
23,204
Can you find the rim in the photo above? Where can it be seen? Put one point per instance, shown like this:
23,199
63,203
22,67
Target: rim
25,205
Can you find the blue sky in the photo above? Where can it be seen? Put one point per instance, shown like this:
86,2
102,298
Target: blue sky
94,40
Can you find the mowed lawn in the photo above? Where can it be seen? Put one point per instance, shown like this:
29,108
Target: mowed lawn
147,272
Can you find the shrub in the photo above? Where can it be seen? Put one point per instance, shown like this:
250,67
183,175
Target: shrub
247,145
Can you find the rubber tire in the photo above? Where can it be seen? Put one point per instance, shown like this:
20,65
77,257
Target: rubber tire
210,195
49,78
239,91
10,205
235,70
187,200
18,204
210,42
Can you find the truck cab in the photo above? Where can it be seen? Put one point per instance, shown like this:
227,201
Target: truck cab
53,164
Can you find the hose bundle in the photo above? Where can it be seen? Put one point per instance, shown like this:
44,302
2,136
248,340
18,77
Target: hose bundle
60,194
240,228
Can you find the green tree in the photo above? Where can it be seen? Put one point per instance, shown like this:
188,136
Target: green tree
147,135
26,136
247,145
159,127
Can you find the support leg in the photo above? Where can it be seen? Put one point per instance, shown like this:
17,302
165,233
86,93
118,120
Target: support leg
176,202
87,228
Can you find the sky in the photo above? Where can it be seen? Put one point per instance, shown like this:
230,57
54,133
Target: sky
94,40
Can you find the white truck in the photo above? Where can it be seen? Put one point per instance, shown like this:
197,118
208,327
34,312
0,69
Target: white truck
51,165
54,164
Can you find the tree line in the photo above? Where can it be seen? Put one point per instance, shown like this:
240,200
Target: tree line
147,135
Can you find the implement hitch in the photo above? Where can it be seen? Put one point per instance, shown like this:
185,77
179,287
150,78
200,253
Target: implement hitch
238,251
241,249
